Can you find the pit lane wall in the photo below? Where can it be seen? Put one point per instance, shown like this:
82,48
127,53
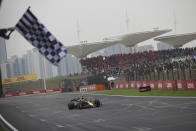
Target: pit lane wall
159,85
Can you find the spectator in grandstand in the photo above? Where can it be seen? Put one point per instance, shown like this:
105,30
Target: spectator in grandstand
142,63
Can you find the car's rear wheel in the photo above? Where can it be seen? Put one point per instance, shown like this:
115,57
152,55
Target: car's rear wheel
71,105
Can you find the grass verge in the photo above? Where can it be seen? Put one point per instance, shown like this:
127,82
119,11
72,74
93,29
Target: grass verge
2,128
135,92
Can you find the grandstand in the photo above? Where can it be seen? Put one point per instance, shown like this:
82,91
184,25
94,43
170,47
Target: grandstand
170,64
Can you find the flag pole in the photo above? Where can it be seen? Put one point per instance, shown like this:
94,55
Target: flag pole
1,85
44,75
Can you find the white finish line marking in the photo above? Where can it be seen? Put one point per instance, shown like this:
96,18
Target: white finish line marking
43,120
59,126
8,124
174,97
31,115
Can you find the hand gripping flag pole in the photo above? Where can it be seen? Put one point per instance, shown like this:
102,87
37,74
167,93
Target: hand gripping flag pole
38,35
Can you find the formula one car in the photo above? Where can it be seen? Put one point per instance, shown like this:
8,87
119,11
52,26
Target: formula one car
82,103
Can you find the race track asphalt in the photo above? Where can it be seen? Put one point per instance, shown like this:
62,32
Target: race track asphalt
49,112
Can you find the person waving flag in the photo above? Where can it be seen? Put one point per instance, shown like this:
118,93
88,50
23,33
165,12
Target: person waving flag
38,35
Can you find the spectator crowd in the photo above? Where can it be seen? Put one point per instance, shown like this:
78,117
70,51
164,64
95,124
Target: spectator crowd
141,63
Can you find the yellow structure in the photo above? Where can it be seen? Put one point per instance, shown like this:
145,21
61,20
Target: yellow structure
19,79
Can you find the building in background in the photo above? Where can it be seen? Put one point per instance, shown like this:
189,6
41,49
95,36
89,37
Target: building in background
69,65
34,63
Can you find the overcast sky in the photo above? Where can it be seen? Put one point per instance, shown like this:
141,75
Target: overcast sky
97,18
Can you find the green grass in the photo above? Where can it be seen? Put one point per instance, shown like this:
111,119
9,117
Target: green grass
135,92
2,128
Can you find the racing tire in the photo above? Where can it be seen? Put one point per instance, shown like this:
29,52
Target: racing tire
97,103
71,105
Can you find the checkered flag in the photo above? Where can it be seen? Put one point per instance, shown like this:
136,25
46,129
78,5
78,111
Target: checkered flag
37,34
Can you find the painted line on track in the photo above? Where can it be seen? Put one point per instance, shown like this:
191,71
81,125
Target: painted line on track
175,97
59,126
8,124
187,97
43,120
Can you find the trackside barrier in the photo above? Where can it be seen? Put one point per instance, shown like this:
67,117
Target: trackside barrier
181,85
31,92
49,90
170,85
138,84
8,95
191,85
132,84
144,83
126,85
88,88
152,84
121,85
22,93
100,87
36,92
160,84
91,88
116,85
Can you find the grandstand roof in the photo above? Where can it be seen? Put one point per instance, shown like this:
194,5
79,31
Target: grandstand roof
83,50
135,38
130,40
177,40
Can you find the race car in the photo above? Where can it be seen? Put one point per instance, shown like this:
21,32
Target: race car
82,103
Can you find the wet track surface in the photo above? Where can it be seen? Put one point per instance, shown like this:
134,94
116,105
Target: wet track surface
49,112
